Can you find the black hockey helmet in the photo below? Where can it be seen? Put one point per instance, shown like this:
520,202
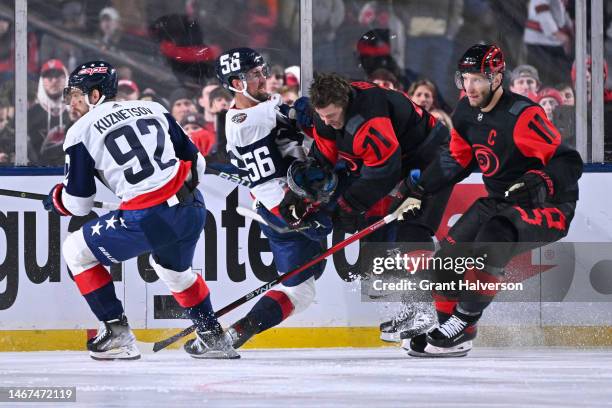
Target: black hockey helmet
92,75
487,59
236,63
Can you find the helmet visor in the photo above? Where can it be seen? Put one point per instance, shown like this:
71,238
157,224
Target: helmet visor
71,92
262,71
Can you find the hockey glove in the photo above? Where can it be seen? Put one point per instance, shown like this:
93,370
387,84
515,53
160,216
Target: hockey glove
295,209
407,196
347,218
53,202
300,112
303,112
531,190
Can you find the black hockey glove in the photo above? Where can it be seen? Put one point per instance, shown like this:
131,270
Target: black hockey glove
347,218
531,190
303,112
294,209
53,202
300,112
407,196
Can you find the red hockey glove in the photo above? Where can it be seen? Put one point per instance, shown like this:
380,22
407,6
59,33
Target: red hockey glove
53,202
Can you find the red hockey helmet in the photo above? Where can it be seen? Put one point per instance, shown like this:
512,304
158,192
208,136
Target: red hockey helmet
485,59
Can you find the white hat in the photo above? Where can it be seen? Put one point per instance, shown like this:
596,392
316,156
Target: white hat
109,12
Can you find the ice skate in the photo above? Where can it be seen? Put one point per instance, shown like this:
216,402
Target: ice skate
114,341
211,345
412,320
241,331
452,339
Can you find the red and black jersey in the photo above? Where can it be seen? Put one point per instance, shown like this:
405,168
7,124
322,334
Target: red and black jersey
510,140
382,134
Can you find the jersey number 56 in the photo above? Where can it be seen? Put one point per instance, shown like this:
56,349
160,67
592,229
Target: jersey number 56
259,163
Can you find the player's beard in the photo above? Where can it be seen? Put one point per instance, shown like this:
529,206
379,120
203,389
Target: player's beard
483,100
261,95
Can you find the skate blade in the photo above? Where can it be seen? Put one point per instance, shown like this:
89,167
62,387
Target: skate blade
215,356
430,351
408,334
390,337
120,353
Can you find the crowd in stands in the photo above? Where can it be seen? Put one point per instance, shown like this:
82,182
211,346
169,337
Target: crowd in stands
164,52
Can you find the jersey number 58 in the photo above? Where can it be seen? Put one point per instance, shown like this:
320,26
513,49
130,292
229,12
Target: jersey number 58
230,65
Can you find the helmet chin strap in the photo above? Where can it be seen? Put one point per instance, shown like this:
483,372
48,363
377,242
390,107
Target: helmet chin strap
244,92
486,103
93,105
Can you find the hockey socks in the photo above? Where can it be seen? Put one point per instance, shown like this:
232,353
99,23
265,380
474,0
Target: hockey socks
274,307
96,286
196,301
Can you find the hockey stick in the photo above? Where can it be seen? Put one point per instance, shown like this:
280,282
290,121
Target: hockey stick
37,196
248,213
238,302
245,212
210,169
225,173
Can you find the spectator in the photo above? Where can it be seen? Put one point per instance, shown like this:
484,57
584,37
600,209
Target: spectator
73,21
549,99
524,80
292,77
110,34
431,28
181,104
7,133
275,80
588,63
548,36
127,90
48,118
288,95
7,51
125,72
385,78
204,139
218,100
203,100
567,92
423,93
149,94
443,117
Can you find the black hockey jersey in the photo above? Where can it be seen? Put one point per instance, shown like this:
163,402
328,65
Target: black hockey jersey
382,138
505,143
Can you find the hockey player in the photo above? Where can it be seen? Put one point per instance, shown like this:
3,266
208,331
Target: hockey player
140,153
383,135
262,142
531,179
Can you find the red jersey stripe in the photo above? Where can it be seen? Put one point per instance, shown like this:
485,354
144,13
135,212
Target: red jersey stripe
460,149
92,279
283,301
162,194
194,294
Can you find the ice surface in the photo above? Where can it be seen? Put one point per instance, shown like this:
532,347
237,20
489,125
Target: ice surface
488,377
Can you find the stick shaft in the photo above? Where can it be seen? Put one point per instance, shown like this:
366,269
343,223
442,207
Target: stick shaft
340,245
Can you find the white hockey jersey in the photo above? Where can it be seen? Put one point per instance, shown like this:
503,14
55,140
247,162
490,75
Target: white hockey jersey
135,148
262,142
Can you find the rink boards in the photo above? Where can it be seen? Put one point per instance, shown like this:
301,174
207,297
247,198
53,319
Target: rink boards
40,307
